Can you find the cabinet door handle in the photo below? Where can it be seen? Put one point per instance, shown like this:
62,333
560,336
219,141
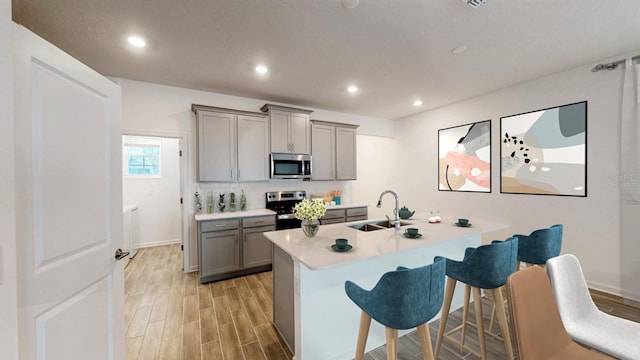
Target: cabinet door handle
231,173
218,225
238,174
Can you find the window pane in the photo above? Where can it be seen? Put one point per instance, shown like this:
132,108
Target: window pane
142,156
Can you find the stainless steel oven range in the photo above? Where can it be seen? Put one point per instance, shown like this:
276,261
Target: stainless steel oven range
282,202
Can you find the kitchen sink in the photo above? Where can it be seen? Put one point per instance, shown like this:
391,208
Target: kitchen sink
387,223
375,225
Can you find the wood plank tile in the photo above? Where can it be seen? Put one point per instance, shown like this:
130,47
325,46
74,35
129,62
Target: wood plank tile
227,283
269,342
243,327
253,351
160,305
191,284
252,281
152,341
231,348
242,287
190,308
139,323
223,314
204,296
208,325
266,279
233,298
171,348
133,347
254,312
264,299
131,304
217,289
212,351
191,341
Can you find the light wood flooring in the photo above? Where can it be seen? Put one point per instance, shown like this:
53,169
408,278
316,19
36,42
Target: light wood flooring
170,315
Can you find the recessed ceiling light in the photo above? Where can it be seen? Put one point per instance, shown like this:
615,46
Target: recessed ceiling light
350,4
137,41
417,103
352,89
261,69
459,49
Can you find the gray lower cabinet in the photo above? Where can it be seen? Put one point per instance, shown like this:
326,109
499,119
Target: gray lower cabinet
336,216
283,296
257,248
357,214
219,247
333,216
234,247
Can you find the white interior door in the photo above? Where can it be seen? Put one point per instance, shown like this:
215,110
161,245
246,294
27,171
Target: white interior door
68,205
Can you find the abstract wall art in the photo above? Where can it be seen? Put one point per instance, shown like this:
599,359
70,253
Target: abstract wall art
544,152
464,154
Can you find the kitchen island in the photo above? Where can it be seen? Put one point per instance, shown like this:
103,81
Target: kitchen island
311,309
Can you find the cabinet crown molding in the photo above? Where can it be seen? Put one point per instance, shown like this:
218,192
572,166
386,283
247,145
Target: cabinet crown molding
196,107
267,107
331,123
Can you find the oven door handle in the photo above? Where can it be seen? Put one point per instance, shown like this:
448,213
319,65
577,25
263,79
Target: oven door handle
285,216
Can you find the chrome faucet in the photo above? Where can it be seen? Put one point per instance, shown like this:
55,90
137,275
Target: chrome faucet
396,221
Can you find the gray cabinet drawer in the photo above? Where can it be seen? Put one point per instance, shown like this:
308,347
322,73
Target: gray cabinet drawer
219,225
334,214
356,218
259,221
361,211
332,221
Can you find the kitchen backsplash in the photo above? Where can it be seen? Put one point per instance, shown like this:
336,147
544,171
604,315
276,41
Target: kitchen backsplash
255,192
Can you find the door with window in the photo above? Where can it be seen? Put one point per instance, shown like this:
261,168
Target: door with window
68,207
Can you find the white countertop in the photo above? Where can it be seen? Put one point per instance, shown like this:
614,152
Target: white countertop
316,252
234,214
257,212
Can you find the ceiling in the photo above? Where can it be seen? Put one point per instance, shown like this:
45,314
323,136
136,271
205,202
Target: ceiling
395,51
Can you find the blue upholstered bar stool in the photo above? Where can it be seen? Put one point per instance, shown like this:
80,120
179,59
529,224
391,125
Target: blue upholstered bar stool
485,267
535,249
402,299
539,246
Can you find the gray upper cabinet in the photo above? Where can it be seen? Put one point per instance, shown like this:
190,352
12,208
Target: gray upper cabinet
232,145
323,151
253,148
334,151
346,165
290,129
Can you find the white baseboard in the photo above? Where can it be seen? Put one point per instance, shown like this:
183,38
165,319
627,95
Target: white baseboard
193,268
605,288
158,243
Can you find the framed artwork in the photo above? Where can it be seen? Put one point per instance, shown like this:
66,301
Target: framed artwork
464,154
544,152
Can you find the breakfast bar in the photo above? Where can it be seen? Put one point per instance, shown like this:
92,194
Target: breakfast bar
311,309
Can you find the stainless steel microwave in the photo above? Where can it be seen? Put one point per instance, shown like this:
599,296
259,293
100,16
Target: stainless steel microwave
290,166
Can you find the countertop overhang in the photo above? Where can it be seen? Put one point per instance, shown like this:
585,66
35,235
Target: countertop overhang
234,214
316,253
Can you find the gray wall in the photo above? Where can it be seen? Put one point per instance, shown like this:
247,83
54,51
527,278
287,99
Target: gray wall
592,224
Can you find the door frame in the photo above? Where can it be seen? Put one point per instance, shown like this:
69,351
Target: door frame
184,176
